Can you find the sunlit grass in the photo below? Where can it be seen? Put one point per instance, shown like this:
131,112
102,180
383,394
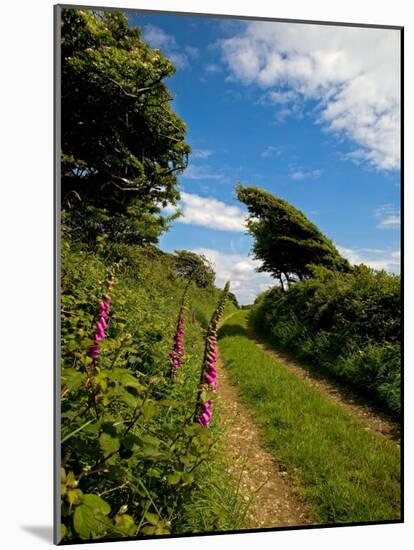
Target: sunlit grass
348,474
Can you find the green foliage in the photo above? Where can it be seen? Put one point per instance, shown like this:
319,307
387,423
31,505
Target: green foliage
219,310
286,242
349,474
216,505
130,449
122,144
195,267
233,299
346,324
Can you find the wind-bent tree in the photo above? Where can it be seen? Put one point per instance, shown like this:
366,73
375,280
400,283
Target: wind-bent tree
122,144
286,242
195,267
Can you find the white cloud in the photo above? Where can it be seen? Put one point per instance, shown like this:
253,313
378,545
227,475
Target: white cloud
352,74
390,222
246,282
388,217
289,104
180,60
373,250
192,51
212,68
271,151
378,259
158,38
211,213
279,96
301,174
203,172
201,153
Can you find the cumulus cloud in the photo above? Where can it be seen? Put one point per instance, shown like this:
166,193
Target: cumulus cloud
192,51
212,68
376,258
301,174
204,172
246,282
201,153
289,104
279,97
158,38
351,73
271,151
388,217
211,213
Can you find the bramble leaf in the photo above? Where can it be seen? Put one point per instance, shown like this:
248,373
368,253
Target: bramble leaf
108,443
174,479
125,525
96,503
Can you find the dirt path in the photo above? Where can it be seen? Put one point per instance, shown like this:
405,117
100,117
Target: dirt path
276,502
276,499
374,419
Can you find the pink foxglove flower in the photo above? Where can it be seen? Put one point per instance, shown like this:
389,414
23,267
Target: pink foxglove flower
176,357
102,323
208,377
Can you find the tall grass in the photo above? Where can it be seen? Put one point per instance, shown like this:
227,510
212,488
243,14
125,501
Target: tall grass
348,474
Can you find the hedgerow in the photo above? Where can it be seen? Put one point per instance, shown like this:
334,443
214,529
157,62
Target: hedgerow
345,324
133,454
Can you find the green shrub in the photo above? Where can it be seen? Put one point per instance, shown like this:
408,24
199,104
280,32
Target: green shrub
345,472
346,324
130,448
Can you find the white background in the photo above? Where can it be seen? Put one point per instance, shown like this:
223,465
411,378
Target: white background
26,287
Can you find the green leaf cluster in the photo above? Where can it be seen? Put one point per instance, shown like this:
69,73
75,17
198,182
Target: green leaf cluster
130,450
285,241
122,144
348,325
195,267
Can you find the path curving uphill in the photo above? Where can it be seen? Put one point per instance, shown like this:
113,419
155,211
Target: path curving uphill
306,456
374,419
274,500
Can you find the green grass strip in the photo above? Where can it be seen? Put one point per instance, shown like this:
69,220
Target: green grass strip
348,473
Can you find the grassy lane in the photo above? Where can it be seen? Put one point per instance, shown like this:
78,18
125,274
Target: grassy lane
348,474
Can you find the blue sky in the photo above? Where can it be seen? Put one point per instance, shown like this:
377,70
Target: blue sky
309,113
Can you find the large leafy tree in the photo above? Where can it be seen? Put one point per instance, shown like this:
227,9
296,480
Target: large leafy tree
122,144
286,242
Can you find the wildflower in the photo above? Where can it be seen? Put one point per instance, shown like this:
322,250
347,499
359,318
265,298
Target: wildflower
94,351
208,377
102,323
176,357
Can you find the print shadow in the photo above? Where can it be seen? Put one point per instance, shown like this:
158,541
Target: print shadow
42,532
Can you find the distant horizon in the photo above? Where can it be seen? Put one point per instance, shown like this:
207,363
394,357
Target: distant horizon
291,108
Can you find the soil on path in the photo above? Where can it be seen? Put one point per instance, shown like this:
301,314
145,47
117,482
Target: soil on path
374,419
276,500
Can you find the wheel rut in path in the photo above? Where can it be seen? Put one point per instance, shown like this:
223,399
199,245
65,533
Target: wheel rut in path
374,419
276,500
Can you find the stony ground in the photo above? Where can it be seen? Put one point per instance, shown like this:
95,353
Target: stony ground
276,500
